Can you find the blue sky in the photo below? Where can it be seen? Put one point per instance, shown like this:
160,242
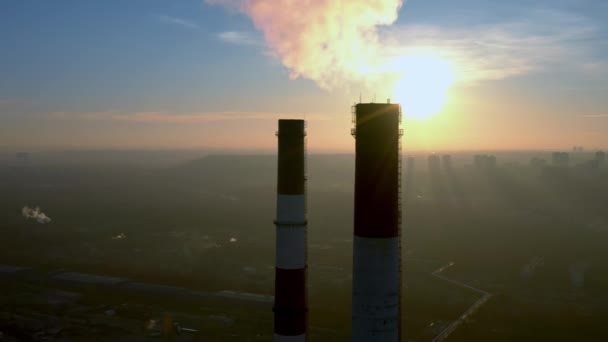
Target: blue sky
79,74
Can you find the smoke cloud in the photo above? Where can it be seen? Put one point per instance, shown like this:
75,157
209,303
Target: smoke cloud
36,214
354,44
329,41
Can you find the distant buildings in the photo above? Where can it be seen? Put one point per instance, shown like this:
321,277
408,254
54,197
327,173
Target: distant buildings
446,163
434,164
560,159
484,162
593,164
409,166
538,163
600,156
408,189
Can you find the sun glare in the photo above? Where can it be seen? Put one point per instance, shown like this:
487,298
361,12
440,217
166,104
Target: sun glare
423,84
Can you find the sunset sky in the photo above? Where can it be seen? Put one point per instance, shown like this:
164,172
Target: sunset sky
159,74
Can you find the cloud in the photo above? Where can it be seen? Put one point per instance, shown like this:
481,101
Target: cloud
179,118
326,41
594,116
36,214
340,44
595,68
178,21
239,38
538,41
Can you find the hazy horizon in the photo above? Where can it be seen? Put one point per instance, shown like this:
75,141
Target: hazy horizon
217,74
147,190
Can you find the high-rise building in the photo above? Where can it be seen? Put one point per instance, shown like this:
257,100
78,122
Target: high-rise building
446,163
410,166
434,165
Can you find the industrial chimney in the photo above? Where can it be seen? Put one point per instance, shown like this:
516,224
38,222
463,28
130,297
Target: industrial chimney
290,299
376,294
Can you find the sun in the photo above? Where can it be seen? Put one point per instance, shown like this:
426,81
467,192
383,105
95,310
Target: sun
422,85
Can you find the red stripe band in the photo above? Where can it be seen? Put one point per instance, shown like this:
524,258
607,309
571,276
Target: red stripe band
290,302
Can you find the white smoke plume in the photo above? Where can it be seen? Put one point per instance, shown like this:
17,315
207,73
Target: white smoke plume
36,214
356,44
119,236
329,41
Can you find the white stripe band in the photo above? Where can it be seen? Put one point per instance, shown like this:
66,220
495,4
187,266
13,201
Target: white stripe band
291,247
291,209
376,282
281,338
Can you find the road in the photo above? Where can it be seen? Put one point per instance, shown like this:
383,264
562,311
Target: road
485,296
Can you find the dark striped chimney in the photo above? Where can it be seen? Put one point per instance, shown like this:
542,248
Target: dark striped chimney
376,244
290,303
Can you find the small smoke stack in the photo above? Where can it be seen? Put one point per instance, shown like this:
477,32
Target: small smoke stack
290,300
377,249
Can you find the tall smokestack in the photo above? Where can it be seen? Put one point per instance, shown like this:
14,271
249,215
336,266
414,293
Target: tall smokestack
377,249
290,299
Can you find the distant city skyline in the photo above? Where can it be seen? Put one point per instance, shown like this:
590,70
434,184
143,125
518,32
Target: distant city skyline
470,75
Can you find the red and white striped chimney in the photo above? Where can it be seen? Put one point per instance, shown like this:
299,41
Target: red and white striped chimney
290,299
376,297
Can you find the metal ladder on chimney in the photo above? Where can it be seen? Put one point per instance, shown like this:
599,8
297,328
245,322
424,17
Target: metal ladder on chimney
399,214
305,170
